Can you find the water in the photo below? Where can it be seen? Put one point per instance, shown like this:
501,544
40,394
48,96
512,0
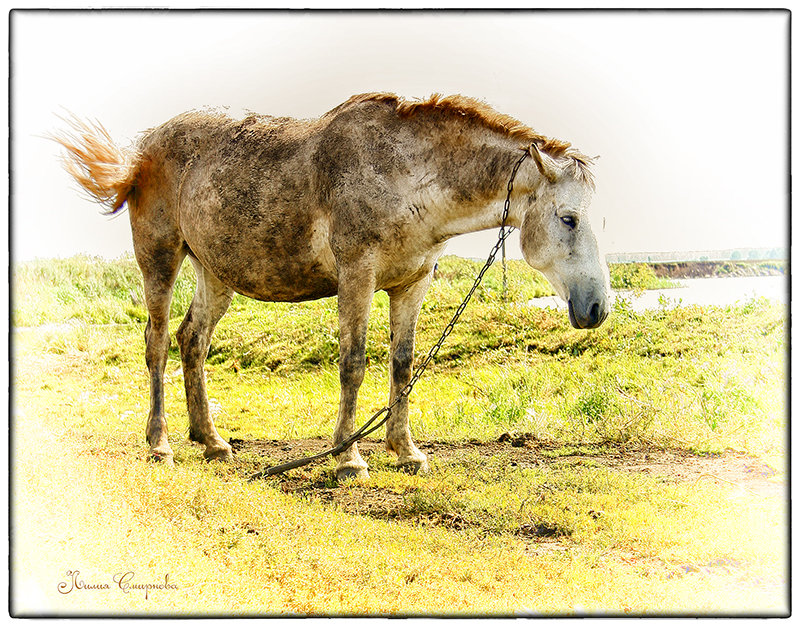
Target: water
718,291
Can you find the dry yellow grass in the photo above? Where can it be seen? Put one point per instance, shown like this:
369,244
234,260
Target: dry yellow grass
233,548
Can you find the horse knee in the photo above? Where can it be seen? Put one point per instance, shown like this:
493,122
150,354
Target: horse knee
351,370
401,365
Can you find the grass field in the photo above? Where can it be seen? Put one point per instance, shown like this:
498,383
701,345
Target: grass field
638,468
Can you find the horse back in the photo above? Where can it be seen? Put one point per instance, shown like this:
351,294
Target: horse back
273,206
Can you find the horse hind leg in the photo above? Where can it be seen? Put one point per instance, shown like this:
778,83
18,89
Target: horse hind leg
210,302
159,271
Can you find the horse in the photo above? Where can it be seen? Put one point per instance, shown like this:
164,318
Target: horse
361,199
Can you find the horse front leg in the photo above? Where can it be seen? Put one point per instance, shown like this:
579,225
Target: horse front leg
404,306
356,288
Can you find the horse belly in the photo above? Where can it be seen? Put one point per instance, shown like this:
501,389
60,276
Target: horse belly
271,260
278,280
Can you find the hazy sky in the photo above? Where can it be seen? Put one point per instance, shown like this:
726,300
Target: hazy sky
688,111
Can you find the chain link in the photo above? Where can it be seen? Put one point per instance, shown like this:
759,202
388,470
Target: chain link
368,427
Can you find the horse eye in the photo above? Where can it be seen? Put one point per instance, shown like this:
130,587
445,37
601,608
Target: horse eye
569,221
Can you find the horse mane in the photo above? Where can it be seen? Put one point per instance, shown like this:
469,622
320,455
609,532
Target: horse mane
578,165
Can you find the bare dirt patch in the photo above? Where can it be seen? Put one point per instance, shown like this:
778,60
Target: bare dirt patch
746,473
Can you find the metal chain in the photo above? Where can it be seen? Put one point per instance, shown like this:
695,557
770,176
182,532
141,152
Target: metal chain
368,427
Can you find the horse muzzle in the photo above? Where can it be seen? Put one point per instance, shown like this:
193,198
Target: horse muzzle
589,313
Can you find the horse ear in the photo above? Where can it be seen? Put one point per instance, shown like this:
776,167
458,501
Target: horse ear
546,165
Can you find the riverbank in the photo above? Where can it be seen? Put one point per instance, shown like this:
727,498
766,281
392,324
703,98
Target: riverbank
718,269
703,291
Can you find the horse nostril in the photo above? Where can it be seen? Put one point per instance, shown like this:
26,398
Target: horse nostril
589,319
594,314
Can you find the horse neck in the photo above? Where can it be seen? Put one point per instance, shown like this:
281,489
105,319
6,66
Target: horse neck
473,176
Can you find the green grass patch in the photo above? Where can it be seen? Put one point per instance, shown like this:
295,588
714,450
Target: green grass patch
704,378
637,277
99,291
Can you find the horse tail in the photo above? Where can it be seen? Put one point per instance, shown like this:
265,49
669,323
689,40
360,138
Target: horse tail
106,172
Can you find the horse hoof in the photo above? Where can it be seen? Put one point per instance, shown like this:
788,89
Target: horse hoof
161,457
414,467
351,472
219,455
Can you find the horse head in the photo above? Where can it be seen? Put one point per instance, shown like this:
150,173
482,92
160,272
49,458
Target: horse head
557,238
